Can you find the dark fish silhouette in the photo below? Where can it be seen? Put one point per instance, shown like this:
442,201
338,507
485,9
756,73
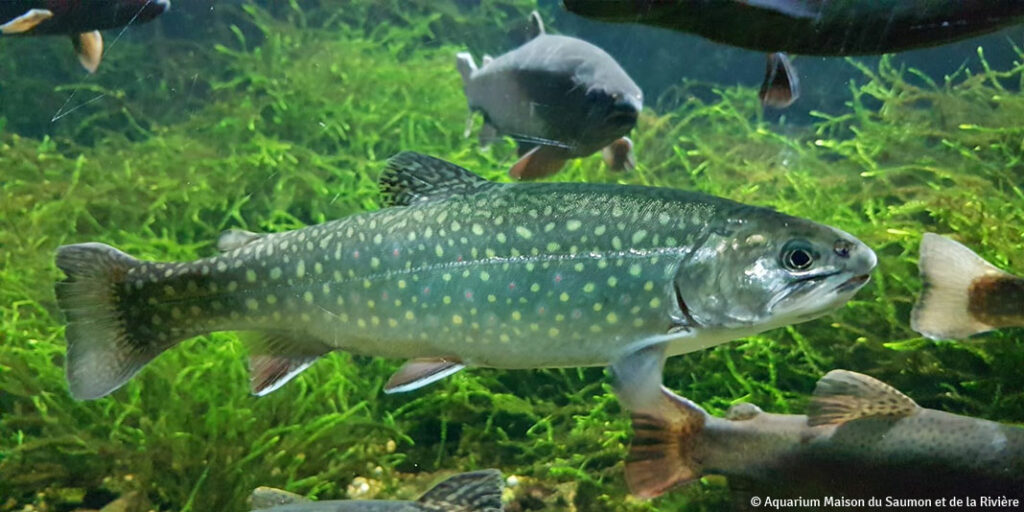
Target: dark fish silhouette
559,97
862,438
815,27
82,20
476,491
963,294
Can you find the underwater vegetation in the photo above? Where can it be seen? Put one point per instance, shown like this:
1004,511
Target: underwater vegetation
271,118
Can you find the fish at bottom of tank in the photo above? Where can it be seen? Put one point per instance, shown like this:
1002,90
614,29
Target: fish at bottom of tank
475,491
862,439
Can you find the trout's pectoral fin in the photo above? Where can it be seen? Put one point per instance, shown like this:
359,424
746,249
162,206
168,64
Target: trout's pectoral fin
89,47
269,497
26,22
842,396
781,86
619,155
539,162
277,358
234,238
417,373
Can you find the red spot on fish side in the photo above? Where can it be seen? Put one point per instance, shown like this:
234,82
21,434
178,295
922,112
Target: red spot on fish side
395,253
459,258
511,286
558,278
384,296
469,295
355,254
426,290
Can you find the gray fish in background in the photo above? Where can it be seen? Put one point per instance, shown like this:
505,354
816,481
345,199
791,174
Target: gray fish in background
476,491
963,294
861,439
460,271
559,97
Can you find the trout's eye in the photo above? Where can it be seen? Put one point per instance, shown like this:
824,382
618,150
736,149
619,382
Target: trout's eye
797,255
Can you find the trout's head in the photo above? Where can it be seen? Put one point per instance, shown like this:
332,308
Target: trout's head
770,272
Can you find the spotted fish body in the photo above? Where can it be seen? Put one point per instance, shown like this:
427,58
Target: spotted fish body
466,272
861,439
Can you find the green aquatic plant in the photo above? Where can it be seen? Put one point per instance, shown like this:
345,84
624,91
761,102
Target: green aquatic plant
284,118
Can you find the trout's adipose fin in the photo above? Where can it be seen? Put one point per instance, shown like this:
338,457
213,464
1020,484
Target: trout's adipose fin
234,238
263,498
842,396
948,270
476,491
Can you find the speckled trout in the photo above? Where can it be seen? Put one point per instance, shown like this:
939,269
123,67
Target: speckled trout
476,491
460,271
862,438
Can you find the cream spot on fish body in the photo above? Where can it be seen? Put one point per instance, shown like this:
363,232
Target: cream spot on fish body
635,270
504,338
409,315
300,269
401,284
501,238
378,238
305,317
478,230
392,322
616,243
535,287
232,286
639,236
579,267
553,332
517,316
222,266
361,322
307,297
374,262
598,306
456,319
250,276
447,299
367,283
648,286
275,273
612,318
251,304
156,320
612,281
484,276
655,303
553,246
564,297
573,224
524,232
318,268
589,288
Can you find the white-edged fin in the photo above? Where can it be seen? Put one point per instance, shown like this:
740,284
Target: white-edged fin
781,86
536,26
263,498
475,491
277,358
539,162
26,22
947,270
89,47
417,373
412,178
843,396
234,238
106,346
619,155
637,378
486,60
661,453
466,65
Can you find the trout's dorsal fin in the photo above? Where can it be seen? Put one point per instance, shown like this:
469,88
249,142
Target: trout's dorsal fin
843,396
412,178
234,238
476,491
268,497
536,26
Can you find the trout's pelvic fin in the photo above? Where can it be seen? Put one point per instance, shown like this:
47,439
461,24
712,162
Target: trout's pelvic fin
664,438
475,491
842,396
420,372
948,269
277,358
412,178
263,498
619,155
89,47
104,349
781,86
234,238
26,22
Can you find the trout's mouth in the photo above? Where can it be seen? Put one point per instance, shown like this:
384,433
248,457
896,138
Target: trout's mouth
852,283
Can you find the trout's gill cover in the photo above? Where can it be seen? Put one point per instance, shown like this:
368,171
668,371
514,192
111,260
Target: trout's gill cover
286,121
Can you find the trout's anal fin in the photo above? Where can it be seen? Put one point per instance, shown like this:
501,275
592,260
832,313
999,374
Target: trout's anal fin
234,238
412,178
842,396
536,26
26,22
277,358
89,47
417,373
476,491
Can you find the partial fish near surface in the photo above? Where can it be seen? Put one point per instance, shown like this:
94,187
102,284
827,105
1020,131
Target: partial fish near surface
814,27
476,491
963,294
559,97
459,271
82,20
862,438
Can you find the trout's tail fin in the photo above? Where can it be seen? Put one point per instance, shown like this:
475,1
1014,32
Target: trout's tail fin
661,455
104,348
476,491
948,269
